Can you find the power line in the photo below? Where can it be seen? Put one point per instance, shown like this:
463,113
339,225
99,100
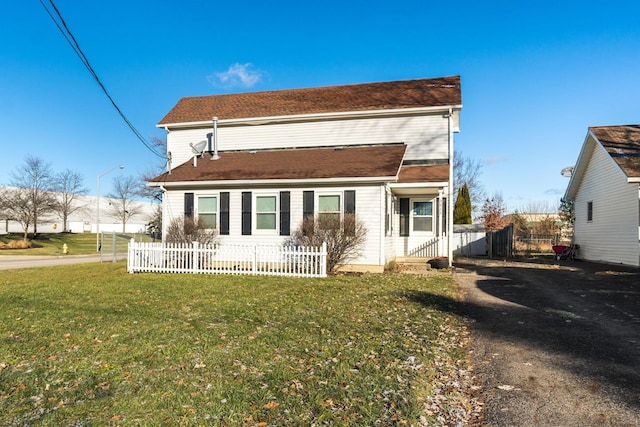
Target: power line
66,33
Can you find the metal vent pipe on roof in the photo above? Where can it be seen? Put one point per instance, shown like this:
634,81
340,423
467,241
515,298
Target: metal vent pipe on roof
215,139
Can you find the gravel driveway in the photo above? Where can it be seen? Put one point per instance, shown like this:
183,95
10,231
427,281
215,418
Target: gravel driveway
554,343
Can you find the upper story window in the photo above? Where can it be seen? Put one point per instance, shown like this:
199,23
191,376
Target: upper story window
208,211
422,216
266,212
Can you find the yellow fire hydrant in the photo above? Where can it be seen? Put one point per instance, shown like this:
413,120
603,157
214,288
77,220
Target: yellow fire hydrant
65,249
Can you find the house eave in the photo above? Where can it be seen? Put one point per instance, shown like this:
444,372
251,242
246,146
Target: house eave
578,171
271,182
311,117
417,188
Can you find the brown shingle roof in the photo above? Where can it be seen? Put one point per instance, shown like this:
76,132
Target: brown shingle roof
347,162
417,93
623,145
424,173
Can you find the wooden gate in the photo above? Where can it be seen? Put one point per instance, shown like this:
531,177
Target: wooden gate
500,242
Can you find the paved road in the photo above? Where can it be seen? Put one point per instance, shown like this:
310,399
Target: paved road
27,261
554,344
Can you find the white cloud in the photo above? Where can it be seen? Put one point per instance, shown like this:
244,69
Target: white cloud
493,160
238,75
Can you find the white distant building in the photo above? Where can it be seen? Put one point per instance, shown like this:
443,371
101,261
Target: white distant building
84,220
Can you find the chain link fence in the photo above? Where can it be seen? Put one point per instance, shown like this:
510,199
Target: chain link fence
114,246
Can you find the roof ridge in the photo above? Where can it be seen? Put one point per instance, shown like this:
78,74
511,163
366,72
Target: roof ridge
347,85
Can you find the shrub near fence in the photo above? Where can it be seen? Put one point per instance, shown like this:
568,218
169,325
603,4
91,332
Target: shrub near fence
194,258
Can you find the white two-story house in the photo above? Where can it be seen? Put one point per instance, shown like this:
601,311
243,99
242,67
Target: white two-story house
255,164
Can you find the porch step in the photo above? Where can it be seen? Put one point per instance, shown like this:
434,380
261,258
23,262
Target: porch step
411,260
412,264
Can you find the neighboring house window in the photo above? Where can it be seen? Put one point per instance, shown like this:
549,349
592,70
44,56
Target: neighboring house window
329,208
589,211
422,216
208,210
266,212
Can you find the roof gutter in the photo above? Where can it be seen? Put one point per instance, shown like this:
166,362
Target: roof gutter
397,186
272,182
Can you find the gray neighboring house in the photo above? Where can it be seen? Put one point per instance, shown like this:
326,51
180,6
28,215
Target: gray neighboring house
605,188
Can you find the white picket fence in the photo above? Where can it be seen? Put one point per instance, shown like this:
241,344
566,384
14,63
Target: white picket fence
195,258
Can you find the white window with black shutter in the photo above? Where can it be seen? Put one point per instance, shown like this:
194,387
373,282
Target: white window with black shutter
329,209
266,213
208,211
422,216
416,216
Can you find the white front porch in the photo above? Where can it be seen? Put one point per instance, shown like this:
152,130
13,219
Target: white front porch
419,224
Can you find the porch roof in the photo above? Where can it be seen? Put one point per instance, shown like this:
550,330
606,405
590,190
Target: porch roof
372,161
423,173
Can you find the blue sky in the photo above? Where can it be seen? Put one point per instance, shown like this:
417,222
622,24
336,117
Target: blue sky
534,75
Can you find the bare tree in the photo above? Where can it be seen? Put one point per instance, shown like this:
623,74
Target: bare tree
187,230
35,180
467,171
68,186
493,213
122,200
15,203
344,237
153,193
539,206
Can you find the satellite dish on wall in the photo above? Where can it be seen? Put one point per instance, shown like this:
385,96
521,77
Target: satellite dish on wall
568,171
198,148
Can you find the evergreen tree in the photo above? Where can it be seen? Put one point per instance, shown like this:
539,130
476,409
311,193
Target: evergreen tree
462,208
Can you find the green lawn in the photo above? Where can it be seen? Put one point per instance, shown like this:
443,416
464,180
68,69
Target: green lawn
93,345
77,243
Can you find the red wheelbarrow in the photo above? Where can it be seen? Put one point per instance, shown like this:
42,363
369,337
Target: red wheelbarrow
565,252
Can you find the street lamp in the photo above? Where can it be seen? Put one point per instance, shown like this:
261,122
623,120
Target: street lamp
98,206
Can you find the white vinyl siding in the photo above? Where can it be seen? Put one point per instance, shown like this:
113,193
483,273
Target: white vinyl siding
426,136
612,234
368,210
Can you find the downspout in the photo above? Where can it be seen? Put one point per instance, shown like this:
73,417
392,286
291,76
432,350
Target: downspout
382,258
449,203
164,207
